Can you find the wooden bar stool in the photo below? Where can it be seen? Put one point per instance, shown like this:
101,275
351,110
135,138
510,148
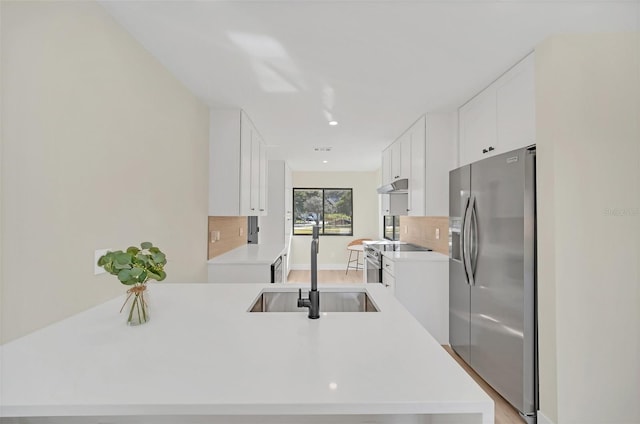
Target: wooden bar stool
357,247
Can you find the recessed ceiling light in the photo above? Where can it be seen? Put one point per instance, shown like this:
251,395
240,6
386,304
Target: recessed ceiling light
325,161
333,123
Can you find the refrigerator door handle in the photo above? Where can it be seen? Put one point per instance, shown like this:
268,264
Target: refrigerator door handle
474,238
466,254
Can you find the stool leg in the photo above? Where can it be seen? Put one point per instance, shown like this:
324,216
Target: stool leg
348,262
357,259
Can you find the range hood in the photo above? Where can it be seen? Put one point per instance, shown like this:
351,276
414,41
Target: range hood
398,186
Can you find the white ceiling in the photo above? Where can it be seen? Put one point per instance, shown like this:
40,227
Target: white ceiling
374,66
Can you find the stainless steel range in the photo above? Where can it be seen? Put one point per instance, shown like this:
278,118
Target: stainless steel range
373,255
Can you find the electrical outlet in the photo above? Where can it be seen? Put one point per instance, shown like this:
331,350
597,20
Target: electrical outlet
241,231
214,236
437,233
406,229
97,270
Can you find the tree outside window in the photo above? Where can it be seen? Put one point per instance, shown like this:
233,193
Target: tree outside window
330,208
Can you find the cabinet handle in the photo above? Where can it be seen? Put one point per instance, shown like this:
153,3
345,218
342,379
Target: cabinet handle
408,210
490,149
261,210
387,265
253,209
397,176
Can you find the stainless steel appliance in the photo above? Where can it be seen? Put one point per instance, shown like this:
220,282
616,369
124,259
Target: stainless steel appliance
277,273
373,256
391,227
492,279
252,230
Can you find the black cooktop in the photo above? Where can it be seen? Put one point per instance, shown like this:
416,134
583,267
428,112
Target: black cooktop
398,247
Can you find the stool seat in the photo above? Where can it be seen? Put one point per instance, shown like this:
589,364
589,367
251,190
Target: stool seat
357,247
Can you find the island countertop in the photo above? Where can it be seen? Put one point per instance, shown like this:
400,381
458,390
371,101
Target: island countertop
203,355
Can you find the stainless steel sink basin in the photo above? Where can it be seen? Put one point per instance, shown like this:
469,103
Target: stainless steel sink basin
330,301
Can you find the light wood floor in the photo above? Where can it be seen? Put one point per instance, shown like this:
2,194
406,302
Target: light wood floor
326,276
504,412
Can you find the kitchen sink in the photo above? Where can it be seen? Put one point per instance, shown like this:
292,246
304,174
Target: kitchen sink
330,301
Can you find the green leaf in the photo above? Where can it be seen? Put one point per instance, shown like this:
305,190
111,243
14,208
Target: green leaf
135,271
123,258
162,275
132,250
153,276
158,258
154,249
142,258
146,245
124,275
142,277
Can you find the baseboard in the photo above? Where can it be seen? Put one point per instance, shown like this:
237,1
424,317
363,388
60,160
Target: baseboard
322,267
542,419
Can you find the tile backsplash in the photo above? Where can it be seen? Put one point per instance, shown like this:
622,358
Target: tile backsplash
225,233
427,231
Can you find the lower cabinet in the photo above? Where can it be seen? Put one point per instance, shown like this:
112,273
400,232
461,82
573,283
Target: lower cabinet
423,288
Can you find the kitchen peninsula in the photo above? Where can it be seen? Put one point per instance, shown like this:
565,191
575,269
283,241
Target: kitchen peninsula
204,358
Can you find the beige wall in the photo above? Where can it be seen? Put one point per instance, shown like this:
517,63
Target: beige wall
333,249
102,148
588,131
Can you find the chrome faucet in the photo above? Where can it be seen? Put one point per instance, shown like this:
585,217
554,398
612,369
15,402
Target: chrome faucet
313,301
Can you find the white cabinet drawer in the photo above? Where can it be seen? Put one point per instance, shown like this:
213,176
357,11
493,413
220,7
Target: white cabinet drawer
388,266
389,281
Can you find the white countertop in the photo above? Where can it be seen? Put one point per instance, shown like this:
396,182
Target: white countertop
203,354
250,254
416,256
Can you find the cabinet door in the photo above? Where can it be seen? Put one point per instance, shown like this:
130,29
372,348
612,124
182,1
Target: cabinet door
246,159
396,160
254,188
515,97
262,171
478,134
389,281
405,155
417,190
386,166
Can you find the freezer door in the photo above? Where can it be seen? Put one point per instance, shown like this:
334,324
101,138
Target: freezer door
502,304
459,290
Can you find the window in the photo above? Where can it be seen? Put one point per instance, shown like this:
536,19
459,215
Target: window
330,208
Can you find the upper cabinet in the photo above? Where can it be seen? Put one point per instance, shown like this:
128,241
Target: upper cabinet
501,117
426,151
237,166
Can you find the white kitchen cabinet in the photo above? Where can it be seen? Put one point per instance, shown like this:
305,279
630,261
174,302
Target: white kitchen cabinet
515,100
237,165
386,179
400,157
389,281
478,134
501,117
421,286
430,147
417,168
276,226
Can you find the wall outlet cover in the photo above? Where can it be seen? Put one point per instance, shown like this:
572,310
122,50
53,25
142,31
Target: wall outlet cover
437,233
97,270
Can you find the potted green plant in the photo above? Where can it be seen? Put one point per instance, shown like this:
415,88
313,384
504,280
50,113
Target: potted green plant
135,267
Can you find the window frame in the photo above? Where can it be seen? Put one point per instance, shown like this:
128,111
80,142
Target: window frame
323,189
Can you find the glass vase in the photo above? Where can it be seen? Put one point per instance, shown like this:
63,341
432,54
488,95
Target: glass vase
135,305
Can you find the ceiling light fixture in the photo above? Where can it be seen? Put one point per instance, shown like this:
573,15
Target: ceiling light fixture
333,123
325,161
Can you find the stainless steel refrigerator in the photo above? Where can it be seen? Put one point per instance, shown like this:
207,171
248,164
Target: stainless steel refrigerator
492,274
